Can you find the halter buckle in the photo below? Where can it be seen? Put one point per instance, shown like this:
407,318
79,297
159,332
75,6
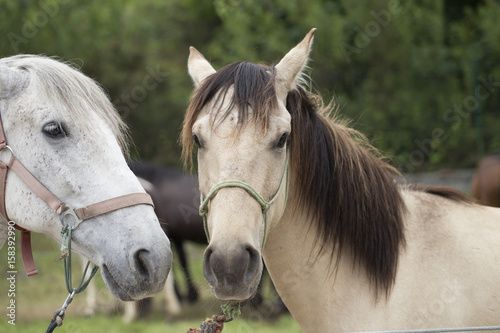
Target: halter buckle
4,147
70,217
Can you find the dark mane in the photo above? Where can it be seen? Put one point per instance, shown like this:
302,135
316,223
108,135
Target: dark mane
442,191
349,192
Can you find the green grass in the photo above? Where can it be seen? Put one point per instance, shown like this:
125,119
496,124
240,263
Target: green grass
37,297
100,323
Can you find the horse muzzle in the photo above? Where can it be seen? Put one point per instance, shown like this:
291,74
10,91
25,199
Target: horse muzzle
144,275
233,274
134,260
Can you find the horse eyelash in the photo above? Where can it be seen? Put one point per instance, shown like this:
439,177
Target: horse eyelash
63,129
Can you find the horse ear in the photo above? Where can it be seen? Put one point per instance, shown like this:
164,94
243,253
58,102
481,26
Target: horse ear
288,70
12,81
199,68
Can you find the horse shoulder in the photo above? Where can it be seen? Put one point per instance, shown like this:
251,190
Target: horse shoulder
448,266
436,221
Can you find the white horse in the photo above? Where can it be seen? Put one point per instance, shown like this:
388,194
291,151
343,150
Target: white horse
62,127
131,312
348,250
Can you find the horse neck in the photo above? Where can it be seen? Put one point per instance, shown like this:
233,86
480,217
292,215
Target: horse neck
311,285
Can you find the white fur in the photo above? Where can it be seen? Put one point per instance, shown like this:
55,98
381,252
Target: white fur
130,314
172,306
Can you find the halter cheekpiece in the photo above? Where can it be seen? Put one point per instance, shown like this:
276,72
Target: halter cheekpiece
69,217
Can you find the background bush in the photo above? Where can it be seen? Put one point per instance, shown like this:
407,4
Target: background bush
419,78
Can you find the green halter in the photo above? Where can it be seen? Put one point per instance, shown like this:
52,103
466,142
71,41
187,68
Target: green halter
237,183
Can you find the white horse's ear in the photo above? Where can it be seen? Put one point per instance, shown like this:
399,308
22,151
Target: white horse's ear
199,68
288,70
12,81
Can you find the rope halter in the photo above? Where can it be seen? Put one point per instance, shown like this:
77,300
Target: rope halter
265,205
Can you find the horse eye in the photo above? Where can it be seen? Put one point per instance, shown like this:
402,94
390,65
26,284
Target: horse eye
196,141
54,130
282,141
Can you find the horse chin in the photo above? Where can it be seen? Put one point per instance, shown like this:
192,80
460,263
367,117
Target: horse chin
113,286
231,293
120,292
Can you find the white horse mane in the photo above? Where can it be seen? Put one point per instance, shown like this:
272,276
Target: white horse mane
71,91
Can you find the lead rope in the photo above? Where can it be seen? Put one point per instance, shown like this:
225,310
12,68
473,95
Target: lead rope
58,316
215,324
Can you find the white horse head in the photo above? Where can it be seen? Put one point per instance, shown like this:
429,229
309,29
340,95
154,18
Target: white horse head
63,128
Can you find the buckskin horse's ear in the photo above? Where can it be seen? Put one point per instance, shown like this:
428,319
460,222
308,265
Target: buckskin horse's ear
199,68
12,81
288,70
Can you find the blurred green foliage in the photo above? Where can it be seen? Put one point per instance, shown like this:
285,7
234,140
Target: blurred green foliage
412,75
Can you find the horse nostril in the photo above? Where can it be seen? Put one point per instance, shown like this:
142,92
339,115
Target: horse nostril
142,264
253,263
207,267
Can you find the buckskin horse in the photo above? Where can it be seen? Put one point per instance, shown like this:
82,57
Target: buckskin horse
347,248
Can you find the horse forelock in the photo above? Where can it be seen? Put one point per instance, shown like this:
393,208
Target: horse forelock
71,92
244,86
349,192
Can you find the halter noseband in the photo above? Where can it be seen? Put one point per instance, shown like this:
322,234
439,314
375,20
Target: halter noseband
68,216
256,195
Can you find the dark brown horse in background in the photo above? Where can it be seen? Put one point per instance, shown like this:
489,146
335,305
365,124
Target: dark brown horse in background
486,182
177,198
